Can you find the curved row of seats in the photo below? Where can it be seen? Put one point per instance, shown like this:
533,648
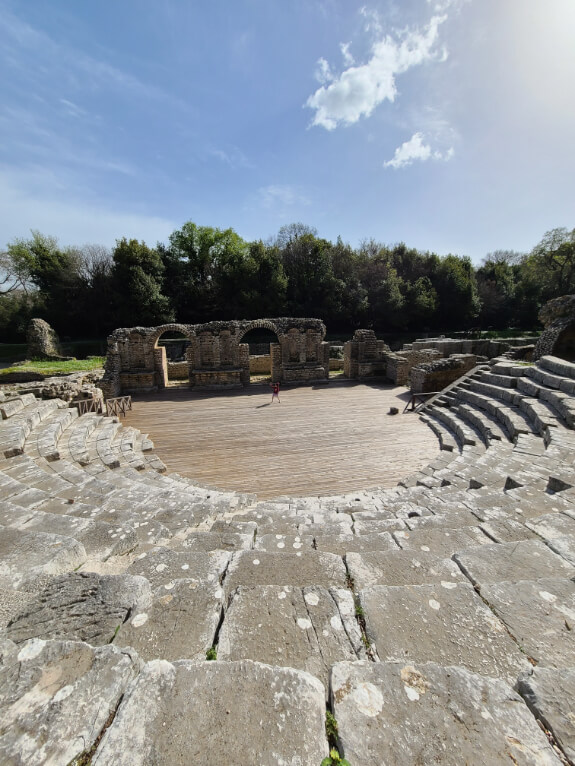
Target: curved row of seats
435,621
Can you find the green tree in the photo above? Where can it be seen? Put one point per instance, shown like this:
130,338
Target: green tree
137,276
496,287
269,282
209,273
454,281
55,273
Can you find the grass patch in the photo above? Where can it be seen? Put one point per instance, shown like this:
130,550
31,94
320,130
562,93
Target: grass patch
56,368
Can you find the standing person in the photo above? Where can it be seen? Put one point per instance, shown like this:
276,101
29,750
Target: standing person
276,392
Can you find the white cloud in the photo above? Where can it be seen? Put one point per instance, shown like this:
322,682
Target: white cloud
282,194
415,149
359,89
232,156
348,59
323,72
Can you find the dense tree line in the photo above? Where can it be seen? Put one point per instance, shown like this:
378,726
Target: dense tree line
203,273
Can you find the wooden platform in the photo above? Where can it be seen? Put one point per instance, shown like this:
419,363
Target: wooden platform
320,440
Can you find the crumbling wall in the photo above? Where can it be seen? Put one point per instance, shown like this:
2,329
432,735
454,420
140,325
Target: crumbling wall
435,376
215,354
364,356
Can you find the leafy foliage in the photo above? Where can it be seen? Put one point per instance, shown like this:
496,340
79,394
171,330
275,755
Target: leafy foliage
204,273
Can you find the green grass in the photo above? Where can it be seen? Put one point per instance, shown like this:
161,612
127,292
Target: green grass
56,368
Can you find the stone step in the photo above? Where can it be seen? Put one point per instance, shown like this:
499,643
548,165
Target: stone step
74,443
15,405
43,439
83,677
444,623
557,366
406,705
15,430
307,628
443,542
447,439
512,562
543,377
512,419
100,539
29,556
80,606
180,622
538,614
488,426
209,709
100,443
496,378
466,434
560,403
127,444
301,569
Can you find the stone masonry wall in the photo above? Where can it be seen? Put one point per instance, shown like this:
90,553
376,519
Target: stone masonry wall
481,347
216,355
436,375
261,365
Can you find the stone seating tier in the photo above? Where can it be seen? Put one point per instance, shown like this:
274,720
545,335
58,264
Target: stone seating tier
407,613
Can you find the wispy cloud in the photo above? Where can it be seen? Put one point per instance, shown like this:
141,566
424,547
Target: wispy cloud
359,89
73,109
232,156
282,194
415,150
37,56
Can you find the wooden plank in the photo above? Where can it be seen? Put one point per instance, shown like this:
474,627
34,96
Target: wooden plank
318,441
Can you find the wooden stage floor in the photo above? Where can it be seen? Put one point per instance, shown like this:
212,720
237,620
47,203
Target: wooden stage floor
321,440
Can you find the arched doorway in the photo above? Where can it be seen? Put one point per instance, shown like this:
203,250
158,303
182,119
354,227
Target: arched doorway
171,346
259,341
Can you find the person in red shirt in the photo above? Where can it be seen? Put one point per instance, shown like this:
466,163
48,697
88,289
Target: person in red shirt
276,392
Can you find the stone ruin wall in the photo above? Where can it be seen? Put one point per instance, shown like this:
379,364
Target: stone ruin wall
435,376
478,346
215,356
428,364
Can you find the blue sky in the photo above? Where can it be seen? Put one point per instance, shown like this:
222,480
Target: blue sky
445,124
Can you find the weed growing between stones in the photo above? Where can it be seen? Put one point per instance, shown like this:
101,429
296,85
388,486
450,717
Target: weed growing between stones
335,758
359,615
212,653
331,727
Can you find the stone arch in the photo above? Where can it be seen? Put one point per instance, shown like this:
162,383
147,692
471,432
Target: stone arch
275,348
259,324
160,360
171,327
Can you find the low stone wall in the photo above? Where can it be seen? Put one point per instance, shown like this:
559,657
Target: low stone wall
436,375
336,364
261,365
134,382
397,369
216,378
178,370
480,347
400,364
304,374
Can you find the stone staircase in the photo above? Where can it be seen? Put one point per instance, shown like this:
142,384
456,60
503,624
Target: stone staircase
148,620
